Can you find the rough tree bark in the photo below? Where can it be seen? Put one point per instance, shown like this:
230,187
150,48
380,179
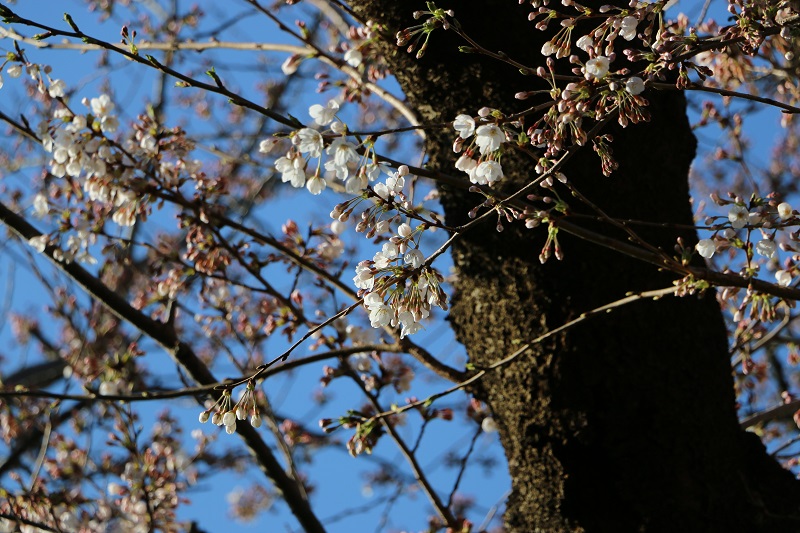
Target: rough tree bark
625,422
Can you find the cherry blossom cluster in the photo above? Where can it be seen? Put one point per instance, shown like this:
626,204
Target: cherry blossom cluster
80,151
398,288
226,413
488,139
343,160
762,217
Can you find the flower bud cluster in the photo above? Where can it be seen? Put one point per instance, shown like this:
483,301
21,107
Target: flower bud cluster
225,413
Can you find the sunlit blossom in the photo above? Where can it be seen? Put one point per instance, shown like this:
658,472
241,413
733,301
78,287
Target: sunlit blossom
627,29
783,277
308,141
414,258
634,85
316,184
324,115
706,248
597,68
738,215
353,58
767,248
464,125
489,138
785,211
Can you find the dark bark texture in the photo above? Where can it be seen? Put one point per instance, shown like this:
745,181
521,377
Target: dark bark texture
627,421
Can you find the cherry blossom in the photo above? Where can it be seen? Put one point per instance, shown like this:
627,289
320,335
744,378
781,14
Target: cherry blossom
394,185
408,324
316,184
706,248
489,138
488,425
466,164
635,85
487,173
464,125
627,29
365,277
57,89
308,141
292,167
102,106
290,64
39,243
738,215
40,205
783,277
343,153
324,115
585,43
355,184
767,248
597,68
353,58
785,211
380,316
414,258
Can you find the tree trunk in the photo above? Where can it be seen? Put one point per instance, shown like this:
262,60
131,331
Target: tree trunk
625,422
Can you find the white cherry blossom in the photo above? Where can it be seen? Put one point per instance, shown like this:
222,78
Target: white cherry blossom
292,168
355,184
785,211
343,153
40,207
635,85
706,248
767,248
353,58
414,258
783,277
290,64
627,29
39,243
394,184
597,68
464,125
585,43
488,425
380,316
316,184
489,137
308,141
57,89
738,215
487,173
364,278
265,146
324,115
466,164
408,323
338,128
373,300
